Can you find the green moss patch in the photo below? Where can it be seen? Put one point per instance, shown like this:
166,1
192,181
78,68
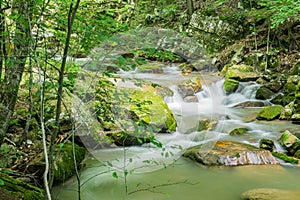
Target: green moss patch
285,158
270,112
230,85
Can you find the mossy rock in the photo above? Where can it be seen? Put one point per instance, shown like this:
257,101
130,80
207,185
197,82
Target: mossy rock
241,72
151,68
154,111
283,99
270,112
230,85
14,189
238,131
289,88
285,158
290,142
266,143
64,166
264,93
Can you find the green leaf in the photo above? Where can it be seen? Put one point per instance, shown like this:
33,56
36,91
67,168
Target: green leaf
115,175
1,182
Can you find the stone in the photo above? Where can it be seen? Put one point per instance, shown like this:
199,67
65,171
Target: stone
185,90
206,124
270,194
155,113
296,118
151,68
270,112
266,143
191,99
288,111
230,153
230,85
290,142
249,104
264,93
241,73
238,131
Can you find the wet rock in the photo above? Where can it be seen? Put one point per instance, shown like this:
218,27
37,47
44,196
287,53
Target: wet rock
248,104
270,194
185,90
190,87
190,99
230,153
151,68
230,85
264,93
238,131
267,144
242,73
270,112
206,124
290,142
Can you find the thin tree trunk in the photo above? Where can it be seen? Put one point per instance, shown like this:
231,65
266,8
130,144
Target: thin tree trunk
71,17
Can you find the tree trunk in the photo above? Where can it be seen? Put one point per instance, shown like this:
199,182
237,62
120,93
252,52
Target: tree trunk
14,66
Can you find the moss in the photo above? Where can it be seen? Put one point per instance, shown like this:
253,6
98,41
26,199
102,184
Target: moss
270,112
151,68
20,190
285,158
241,72
64,166
238,131
230,85
154,111
297,154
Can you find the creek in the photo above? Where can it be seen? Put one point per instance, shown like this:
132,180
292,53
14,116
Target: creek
161,173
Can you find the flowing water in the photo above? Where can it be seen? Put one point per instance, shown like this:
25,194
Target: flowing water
156,173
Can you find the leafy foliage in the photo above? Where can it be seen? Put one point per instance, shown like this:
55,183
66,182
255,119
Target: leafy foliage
282,11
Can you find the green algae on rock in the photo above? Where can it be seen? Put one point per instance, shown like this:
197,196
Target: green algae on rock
270,112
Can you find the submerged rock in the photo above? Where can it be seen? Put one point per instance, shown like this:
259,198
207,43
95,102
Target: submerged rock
270,112
230,153
270,194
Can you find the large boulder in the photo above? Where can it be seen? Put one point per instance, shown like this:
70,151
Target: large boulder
230,153
270,112
241,72
270,194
